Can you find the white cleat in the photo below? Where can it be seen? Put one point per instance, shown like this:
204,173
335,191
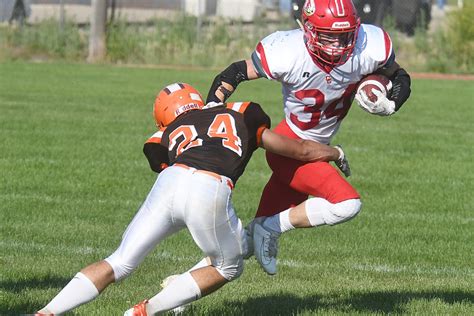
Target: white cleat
265,244
180,309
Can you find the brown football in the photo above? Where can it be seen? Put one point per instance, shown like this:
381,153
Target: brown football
378,82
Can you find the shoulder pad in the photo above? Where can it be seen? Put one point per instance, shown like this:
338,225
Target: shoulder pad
377,43
275,54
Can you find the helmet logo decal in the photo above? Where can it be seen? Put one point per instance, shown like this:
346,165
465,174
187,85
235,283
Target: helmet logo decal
340,8
341,25
309,7
185,108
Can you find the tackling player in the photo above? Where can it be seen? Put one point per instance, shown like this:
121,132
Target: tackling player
318,67
199,152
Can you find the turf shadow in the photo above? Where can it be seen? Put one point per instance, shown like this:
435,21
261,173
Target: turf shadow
17,287
387,302
395,301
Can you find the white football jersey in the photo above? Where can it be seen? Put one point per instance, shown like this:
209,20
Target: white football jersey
315,99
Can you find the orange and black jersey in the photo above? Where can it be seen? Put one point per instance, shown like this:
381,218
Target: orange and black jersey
219,138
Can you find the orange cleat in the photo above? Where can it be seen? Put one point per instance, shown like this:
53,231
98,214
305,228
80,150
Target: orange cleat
138,310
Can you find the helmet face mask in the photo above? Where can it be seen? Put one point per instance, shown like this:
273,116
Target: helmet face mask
174,100
330,29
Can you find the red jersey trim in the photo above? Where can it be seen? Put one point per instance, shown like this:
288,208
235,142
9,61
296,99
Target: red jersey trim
263,58
388,46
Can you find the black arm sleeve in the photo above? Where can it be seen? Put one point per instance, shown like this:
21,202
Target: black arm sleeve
233,75
401,88
255,118
157,156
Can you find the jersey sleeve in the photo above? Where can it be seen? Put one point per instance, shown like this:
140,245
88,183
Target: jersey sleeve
256,120
156,153
272,57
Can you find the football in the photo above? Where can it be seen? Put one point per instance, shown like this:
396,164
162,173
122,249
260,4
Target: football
378,82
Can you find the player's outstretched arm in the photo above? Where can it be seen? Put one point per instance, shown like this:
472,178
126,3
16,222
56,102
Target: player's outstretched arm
305,150
299,149
226,82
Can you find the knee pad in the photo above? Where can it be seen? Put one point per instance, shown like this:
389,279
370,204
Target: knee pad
121,268
232,270
321,212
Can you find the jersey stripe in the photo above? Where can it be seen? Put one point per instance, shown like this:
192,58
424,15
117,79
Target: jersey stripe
238,106
263,58
388,46
155,138
260,133
257,64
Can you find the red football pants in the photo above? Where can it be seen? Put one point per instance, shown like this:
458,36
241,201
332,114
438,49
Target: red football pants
293,181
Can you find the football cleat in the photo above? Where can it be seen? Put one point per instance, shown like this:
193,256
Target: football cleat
137,310
265,245
180,309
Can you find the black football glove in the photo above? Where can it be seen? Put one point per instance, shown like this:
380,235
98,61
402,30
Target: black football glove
342,163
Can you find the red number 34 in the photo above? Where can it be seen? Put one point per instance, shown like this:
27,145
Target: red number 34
316,107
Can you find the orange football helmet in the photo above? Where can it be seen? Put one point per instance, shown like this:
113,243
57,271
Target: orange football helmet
174,100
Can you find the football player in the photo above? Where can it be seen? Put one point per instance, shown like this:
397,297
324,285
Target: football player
199,152
318,67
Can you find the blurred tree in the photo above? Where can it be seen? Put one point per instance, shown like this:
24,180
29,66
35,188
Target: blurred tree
97,43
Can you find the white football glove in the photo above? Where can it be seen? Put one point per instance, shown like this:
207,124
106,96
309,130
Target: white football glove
383,106
342,163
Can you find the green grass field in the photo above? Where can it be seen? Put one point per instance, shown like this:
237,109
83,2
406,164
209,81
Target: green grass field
73,175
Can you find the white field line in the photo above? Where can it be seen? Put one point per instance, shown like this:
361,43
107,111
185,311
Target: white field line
292,263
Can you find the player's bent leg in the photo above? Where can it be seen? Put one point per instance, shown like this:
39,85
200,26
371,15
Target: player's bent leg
218,232
318,179
321,212
225,245
83,288
100,273
78,291
150,225
278,196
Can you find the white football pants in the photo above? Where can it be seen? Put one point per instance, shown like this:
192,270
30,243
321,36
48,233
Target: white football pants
185,198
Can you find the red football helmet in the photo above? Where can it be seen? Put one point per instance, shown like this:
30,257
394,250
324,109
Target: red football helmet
330,29
174,100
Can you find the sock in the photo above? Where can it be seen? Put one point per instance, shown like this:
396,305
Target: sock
279,223
78,291
180,291
201,264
